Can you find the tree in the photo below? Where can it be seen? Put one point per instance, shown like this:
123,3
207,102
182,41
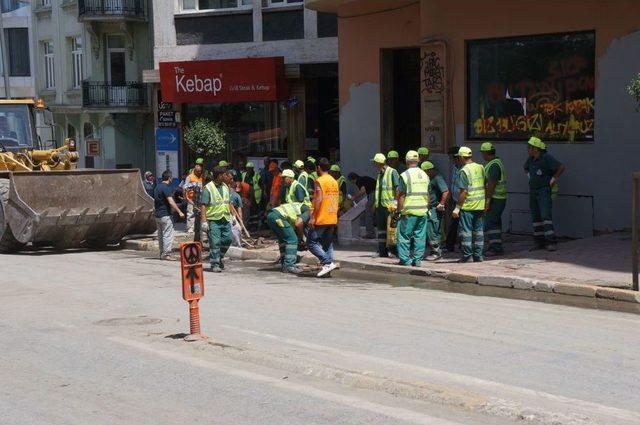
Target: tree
205,137
634,90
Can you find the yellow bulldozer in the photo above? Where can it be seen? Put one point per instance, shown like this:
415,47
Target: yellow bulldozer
45,200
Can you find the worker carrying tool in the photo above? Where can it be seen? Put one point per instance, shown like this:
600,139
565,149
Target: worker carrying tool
387,180
287,222
470,207
496,198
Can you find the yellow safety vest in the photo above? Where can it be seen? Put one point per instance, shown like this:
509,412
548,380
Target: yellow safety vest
291,192
416,201
257,191
475,189
218,206
500,191
341,180
385,196
290,211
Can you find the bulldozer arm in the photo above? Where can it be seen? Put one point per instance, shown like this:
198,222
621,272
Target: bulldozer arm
69,208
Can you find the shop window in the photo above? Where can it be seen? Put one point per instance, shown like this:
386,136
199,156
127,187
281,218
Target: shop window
253,129
535,85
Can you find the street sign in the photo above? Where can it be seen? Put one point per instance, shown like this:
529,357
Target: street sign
167,119
167,149
192,273
92,147
167,139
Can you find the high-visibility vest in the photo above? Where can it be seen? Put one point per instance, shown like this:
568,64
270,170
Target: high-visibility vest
292,190
500,191
475,190
218,206
303,179
193,182
257,191
290,211
416,200
341,180
327,213
385,196
311,180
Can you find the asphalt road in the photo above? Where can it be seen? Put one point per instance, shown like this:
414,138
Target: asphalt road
94,337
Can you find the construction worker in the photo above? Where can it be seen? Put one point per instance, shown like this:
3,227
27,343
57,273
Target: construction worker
413,208
543,171
313,174
451,225
393,161
254,179
342,186
423,154
216,217
276,183
470,206
298,168
294,190
384,199
310,175
496,198
324,218
194,180
438,196
287,222
224,164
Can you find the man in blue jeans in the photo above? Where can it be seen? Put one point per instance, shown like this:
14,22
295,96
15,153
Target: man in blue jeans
164,205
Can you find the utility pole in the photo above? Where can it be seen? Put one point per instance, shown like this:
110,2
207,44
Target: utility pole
5,61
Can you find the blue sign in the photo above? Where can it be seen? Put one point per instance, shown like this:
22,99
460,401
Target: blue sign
167,139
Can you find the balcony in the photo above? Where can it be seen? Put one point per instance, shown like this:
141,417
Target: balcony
114,96
112,10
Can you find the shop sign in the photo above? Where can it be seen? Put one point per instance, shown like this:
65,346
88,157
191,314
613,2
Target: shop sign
223,81
165,106
92,147
166,119
433,90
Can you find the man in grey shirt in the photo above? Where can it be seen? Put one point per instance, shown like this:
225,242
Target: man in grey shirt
164,204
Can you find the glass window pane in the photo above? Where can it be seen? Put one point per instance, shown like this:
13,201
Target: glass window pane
188,4
217,4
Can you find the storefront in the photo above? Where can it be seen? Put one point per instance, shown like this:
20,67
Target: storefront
430,73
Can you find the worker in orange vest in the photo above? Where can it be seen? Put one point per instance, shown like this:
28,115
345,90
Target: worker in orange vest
274,194
193,180
324,217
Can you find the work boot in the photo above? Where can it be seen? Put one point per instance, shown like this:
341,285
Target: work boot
417,264
221,265
292,270
433,257
215,269
478,259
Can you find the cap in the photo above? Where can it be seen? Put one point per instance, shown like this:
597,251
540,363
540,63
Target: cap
537,143
423,151
486,147
148,173
465,152
379,158
312,159
427,165
273,166
288,173
335,167
249,165
393,154
223,163
411,156
199,161
298,164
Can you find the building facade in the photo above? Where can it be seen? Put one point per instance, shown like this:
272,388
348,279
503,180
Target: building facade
17,24
300,118
89,56
438,73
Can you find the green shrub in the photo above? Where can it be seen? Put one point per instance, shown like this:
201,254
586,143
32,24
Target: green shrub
634,90
205,137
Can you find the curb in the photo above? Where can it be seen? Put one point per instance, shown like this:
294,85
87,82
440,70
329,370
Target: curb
513,282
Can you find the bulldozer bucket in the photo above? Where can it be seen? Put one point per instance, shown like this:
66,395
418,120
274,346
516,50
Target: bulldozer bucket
67,208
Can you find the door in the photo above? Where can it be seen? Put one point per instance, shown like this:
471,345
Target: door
117,77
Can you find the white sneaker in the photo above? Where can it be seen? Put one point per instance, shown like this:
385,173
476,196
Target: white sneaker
326,269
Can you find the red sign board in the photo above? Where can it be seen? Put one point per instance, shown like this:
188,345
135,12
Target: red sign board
223,81
92,147
192,278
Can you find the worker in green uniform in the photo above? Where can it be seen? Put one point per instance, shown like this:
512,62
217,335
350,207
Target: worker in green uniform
413,208
470,207
496,198
298,168
253,179
295,191
387,180
287,222
543,171
438,196
423,154
335,172
393,161
311,174
216,217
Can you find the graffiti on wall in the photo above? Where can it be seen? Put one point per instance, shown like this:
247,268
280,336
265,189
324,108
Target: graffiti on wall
433,96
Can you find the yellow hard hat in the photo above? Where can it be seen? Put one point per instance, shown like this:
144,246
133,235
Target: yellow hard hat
249,165
486,147
465,152
199,161
288,173
393,154
427,165
411,156
335,167
311,159
223,163
379,158
423,151
298,164
537,143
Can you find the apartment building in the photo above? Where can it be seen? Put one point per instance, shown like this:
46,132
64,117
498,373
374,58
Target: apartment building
17,22
89,56
272,63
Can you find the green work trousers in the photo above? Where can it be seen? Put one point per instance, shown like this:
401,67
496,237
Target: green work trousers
493,224
287,239
382,215
219,240
411,239
471,232
433,233
541,216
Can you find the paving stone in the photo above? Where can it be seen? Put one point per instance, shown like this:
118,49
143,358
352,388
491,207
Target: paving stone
462,277
500,281
618,294
579,290
544,285
523,283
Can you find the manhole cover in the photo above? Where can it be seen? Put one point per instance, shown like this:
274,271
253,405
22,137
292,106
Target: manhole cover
128,321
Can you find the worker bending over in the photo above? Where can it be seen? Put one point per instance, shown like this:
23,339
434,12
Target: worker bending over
287,222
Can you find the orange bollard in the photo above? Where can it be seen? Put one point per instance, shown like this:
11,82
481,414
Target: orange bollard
192,285
194,317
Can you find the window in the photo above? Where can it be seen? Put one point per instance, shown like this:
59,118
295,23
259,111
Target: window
49,66
46,3
18,41
276,3
71,131
76,61
216,4
539,85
